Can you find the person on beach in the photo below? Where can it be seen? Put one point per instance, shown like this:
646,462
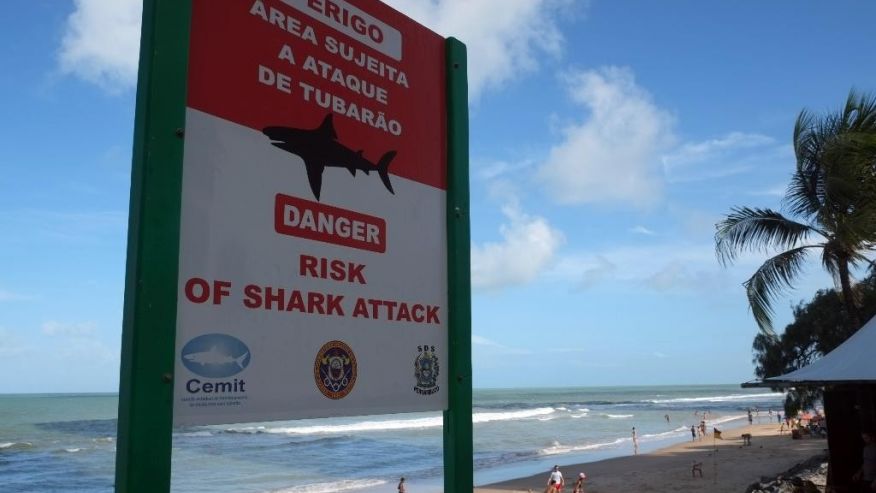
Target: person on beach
865,478
401,486
555,480
635,442
579,485
667,418
693,433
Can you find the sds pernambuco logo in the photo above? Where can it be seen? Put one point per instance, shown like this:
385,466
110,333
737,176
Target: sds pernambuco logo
426,370
335,369
215,355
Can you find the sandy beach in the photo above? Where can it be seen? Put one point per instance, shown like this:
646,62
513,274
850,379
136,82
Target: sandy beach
728,465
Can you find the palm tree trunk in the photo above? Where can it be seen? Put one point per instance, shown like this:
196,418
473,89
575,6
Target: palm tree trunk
854,316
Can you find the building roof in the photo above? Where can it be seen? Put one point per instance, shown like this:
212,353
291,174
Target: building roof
852,362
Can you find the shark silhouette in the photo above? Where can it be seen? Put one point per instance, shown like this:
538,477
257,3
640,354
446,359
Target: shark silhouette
215,356
319,148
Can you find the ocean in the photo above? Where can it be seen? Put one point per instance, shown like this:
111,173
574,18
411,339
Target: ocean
66,442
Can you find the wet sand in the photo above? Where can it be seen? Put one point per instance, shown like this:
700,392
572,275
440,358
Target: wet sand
728,465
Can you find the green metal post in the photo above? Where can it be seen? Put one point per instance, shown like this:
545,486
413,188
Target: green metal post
458,449
149,320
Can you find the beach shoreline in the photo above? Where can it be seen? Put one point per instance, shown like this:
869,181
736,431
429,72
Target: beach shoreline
70,439
727,464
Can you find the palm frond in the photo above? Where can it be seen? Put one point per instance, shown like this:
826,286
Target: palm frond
770,280
805,194
835,157
750,229
831,263
858,260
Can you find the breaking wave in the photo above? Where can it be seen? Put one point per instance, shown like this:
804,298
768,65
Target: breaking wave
343,485
393,424
511,415
677,431
202,433
719,398
15,445
557,448
724,419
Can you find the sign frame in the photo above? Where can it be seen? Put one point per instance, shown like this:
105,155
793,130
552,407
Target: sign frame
145,416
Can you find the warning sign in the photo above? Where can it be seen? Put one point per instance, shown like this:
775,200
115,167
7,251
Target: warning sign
312,269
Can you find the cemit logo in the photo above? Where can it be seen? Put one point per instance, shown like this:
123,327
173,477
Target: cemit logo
215,356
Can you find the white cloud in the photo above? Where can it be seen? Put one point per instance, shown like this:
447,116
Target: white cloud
68,227
101,42
494,346
678,275
731,154
492,170
505,38
697,152
6,295
641,230
670,266
595,270
78,329
96,352
777,190
10,344
79,341
528,246
612,156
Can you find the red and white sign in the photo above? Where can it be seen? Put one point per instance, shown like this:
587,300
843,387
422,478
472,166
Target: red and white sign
312,269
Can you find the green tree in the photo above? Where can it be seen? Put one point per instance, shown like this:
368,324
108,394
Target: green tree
832,205
818,327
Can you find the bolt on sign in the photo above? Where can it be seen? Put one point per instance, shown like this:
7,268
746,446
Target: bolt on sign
312,264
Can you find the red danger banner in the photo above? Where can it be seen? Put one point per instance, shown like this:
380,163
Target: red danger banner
315,221
297,61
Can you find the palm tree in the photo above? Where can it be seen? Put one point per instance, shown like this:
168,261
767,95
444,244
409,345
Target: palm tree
832,204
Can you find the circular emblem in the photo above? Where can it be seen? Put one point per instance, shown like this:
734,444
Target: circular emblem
426,370
335,369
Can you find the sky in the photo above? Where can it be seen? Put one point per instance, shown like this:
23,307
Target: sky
607,139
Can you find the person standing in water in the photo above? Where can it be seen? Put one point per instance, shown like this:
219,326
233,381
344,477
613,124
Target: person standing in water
635,442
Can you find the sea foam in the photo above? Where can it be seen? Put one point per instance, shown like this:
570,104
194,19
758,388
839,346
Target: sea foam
719,398
558,449
13,445
392,424
343,485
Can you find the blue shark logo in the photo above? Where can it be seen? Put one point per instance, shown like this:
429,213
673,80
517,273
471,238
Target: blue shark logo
215,355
